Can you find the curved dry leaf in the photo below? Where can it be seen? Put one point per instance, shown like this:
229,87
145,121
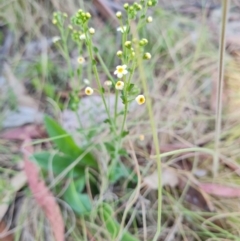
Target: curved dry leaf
220,190
42,195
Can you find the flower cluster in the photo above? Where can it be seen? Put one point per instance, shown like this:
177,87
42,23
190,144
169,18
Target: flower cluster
133,9
82,33
58,18
81,17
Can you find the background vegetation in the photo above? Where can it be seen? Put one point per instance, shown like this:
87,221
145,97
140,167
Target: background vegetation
193,84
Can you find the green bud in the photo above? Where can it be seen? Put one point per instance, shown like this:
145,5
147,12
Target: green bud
143,42
119,53
149,3
138,7
88,15
128,44
126,5
54,21
119,14
149,19
147,56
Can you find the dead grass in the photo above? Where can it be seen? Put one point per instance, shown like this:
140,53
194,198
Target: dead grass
181,77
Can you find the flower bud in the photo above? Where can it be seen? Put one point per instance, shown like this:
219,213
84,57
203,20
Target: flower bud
119,14
119,53
149,3
147,56
149,19
128,44
126,5
91,31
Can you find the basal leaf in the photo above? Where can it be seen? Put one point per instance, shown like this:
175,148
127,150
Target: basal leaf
66,144
112,225
80,203
57,162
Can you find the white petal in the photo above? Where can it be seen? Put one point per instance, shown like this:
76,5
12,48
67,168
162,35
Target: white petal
115,72
124,66
125,72
119,75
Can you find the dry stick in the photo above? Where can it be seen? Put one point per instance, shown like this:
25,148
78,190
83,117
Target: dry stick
218,119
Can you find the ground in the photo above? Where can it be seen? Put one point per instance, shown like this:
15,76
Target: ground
77,169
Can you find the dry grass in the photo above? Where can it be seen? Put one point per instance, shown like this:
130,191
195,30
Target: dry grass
181,79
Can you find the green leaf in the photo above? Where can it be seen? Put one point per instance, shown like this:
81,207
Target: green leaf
110,147
80,183
112,226
121,113
80,203
107,121
95,49
123,152
130,87
119,172
58,163
94,62
124,133
66,144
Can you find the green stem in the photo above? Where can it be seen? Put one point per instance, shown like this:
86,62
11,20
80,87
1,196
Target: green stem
105,67
115,108
126,101
90,49
65,49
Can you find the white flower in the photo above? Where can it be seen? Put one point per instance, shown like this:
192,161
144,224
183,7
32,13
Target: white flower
86,81
122,29
140,99
81,60
55,39
91,30
119,85
149,19
108,82
121,70
88,91
82,36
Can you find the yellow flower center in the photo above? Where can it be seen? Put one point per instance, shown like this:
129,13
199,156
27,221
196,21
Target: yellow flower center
141,100
120,69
